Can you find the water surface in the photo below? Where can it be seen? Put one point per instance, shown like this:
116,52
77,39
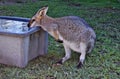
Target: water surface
13,26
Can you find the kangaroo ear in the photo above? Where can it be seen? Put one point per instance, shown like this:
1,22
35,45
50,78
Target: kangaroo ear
42,11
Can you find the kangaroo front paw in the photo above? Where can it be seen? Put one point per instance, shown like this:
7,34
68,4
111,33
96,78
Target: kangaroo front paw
60,41
79,65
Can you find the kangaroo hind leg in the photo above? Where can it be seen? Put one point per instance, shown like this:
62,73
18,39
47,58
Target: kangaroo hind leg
90,46
82,56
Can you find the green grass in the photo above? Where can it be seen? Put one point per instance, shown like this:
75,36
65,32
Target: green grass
104,60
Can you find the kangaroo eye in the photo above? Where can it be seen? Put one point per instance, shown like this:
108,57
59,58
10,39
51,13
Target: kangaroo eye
33,20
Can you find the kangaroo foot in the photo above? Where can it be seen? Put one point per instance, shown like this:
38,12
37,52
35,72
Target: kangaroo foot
59,63
80,65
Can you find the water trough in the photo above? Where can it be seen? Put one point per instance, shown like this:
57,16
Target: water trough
18,43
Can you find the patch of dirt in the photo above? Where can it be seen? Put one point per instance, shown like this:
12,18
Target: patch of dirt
117,63
105,10
74,4
50,77
92,77
7,3
12,2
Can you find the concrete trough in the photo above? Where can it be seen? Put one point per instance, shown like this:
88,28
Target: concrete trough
17,49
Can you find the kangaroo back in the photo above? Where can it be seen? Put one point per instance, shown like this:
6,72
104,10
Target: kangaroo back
73,28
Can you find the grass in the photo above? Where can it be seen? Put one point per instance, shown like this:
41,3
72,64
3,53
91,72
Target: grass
104,60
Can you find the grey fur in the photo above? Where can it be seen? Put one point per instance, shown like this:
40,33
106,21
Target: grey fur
75,29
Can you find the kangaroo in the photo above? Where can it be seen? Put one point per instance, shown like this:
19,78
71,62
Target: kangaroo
72,31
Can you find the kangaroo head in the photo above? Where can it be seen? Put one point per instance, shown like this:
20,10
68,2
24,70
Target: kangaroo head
36,19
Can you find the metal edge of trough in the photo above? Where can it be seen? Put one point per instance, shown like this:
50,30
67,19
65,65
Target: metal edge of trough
32,30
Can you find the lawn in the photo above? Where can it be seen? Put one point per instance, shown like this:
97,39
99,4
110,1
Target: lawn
103,62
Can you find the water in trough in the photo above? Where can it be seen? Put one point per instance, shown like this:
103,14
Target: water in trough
13,26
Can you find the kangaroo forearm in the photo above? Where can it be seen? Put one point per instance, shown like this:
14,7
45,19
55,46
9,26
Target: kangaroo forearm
60,41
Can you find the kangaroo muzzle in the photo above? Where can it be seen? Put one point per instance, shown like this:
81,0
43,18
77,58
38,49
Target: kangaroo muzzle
28,25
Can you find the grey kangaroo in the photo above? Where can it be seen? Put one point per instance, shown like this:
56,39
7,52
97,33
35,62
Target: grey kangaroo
72,31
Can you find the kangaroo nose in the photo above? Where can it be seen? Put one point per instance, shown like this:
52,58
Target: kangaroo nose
28,25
